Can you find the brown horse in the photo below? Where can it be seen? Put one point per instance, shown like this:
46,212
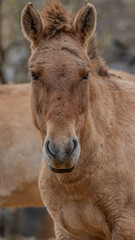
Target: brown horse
86,118
20,152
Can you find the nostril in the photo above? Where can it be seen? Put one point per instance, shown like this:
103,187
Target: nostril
47,145
61,151
49,148
74,141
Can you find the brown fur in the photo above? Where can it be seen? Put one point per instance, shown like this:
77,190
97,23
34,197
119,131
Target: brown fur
56,19
20,151
97,199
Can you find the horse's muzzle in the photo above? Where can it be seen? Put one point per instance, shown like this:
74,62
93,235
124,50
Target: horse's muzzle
62,155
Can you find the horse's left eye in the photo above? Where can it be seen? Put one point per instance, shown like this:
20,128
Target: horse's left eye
86,76
34,76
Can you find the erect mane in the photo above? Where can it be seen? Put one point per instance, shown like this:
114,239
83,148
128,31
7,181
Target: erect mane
57,19
97,63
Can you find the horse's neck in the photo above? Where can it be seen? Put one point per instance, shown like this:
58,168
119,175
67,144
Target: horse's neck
100,116
101,104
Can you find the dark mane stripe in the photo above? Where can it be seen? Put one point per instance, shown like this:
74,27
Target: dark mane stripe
56,18
98,64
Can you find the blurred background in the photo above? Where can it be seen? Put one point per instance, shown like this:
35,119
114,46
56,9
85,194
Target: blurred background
116,42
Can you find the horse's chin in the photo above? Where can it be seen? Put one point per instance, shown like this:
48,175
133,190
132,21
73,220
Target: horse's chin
66,170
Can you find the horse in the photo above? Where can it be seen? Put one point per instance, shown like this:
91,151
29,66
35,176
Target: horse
20,151
86,118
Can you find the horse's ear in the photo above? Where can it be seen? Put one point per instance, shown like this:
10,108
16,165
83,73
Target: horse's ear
85,21
31,22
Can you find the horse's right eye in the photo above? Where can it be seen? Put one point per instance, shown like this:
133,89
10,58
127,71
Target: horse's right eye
34,76
86,76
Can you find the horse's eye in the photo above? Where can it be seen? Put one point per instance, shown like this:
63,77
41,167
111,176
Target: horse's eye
34,76
86,76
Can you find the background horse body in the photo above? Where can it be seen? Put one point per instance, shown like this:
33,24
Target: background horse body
86,117
20,151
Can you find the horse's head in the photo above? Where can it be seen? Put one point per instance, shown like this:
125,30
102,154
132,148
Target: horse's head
60,71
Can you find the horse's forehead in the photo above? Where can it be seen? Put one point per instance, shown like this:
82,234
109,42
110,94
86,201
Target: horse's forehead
59,51
59,41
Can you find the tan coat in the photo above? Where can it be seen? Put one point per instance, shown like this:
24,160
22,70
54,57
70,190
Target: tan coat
100,192
20,151
15,152
86,118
